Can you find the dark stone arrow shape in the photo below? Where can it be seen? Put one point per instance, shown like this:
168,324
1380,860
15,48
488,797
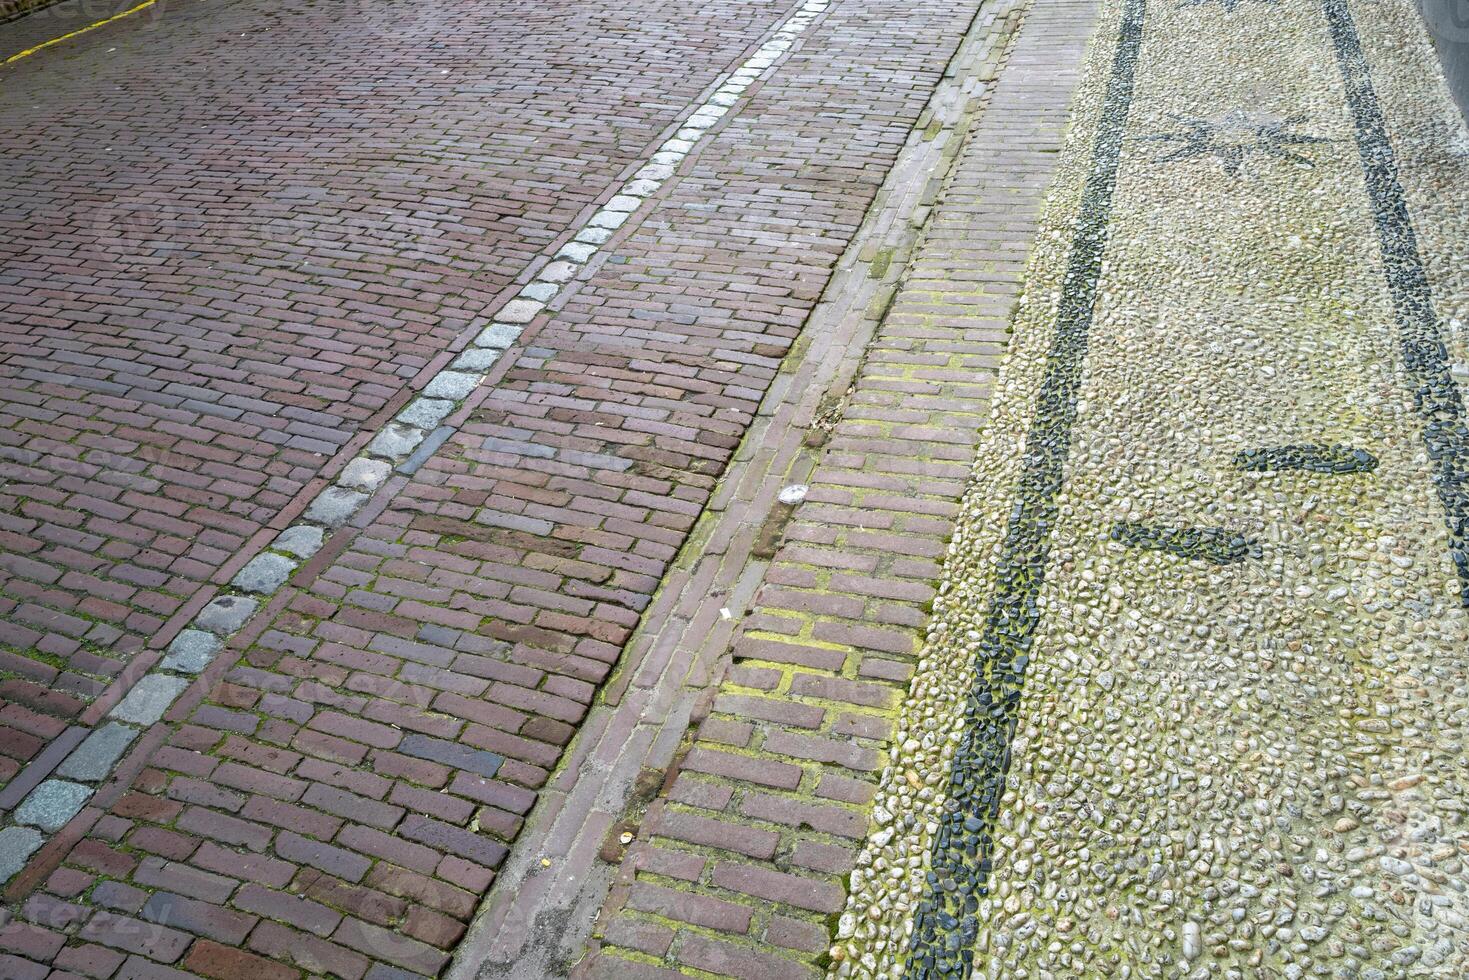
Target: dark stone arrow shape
1216,545
1311,456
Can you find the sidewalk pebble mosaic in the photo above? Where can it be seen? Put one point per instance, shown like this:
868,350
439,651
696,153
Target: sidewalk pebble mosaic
1194,696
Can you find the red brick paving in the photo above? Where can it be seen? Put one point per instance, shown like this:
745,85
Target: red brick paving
540,912
338,798
211,285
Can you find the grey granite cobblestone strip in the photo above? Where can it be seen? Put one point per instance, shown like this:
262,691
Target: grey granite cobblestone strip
685,640
946,923
403,444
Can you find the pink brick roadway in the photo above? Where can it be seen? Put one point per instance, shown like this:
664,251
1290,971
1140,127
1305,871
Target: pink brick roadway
218,288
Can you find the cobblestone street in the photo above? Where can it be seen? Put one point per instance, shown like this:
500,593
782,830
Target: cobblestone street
756,489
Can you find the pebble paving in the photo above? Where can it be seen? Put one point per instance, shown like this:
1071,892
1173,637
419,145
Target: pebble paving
1194,697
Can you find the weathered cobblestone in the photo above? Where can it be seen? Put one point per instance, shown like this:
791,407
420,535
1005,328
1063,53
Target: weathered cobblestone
52,804
226,614
149,699
191,651
17,844
264,573
96,756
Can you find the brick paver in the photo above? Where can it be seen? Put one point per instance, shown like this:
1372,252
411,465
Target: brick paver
212,286
539,914
765,812
338,790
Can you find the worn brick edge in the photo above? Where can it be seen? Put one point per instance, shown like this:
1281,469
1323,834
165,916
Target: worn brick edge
739,867
540,912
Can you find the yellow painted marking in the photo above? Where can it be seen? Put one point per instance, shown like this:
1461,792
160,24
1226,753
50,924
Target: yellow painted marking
90,27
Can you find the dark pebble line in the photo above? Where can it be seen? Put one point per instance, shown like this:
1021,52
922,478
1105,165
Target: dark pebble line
945,923
1215,545
1312,457
1435,394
